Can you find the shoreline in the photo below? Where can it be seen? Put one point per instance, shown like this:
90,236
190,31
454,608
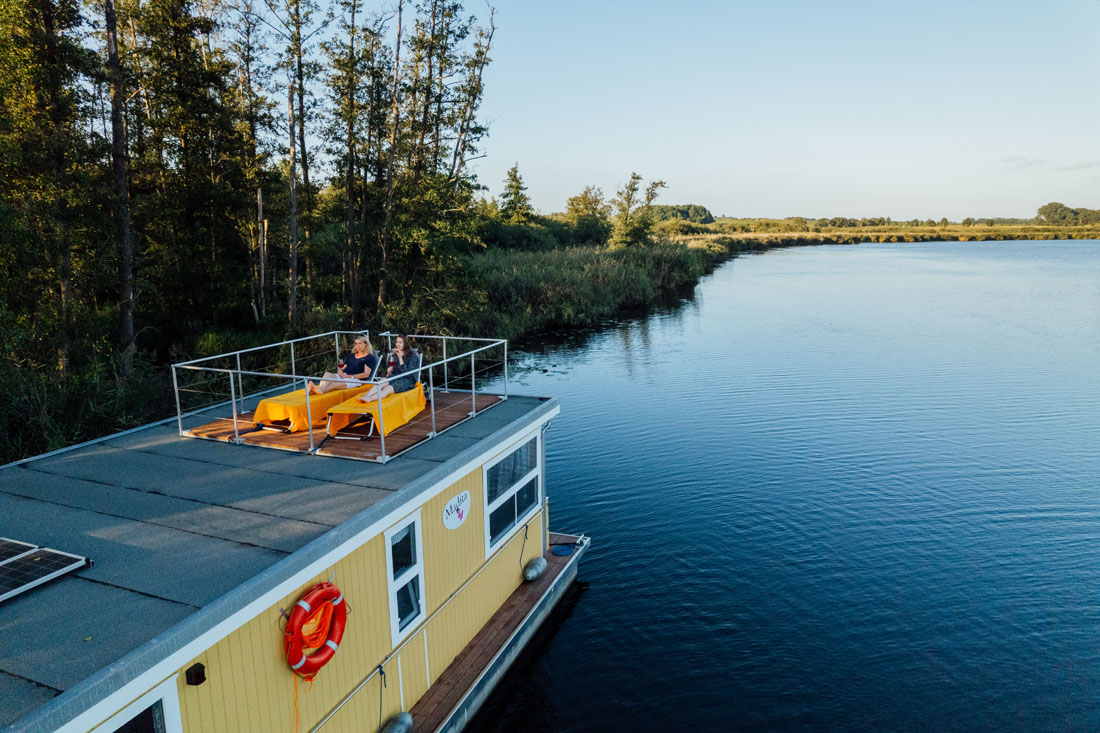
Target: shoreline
518,295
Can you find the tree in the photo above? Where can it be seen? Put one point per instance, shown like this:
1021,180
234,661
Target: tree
119,165
295,20
1058,214
633,222
515,204
46,170
395,119
246,48
469,95
193,192
590,216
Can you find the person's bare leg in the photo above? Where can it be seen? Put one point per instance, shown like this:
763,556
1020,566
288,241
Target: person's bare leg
372,393
311,388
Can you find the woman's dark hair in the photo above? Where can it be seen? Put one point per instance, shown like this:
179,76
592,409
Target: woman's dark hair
408,344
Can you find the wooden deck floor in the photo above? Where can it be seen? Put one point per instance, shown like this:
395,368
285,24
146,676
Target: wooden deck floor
432,710
451,408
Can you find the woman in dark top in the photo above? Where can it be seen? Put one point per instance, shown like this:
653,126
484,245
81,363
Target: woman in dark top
403,360
358,365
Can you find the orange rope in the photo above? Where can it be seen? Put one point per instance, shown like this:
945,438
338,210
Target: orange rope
314,631
316,626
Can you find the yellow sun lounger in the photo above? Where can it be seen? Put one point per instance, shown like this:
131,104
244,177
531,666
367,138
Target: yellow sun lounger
292,407
397,410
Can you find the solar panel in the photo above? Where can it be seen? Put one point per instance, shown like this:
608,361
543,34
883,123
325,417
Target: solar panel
24,566
12,548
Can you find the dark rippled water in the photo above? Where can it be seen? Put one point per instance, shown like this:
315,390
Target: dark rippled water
838,487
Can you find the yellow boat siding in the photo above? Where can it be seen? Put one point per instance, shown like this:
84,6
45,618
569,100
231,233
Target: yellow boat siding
249,686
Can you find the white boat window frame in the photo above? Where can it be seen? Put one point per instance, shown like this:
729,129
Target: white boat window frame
535,473
397,634
166,693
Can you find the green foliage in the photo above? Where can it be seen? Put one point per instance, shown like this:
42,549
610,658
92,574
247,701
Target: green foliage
515,204
1061,215
590,216
633,221
684,212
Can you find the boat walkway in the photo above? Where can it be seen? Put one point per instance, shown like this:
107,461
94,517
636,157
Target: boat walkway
444,706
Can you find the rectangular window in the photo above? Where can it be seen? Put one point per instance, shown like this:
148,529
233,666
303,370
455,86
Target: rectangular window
511,492
405,566
157,711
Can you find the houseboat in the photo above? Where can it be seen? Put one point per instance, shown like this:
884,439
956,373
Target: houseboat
275,560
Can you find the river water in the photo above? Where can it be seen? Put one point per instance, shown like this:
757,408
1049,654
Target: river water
836,487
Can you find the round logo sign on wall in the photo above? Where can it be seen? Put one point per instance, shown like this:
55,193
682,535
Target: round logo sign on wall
454,513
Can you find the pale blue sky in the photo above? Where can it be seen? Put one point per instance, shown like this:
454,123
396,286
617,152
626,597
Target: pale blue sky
844,108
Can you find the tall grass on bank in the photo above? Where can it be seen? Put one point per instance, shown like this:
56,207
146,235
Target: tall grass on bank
529,292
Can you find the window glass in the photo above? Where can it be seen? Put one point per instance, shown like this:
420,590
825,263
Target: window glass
502,519
408,602
403,547
147,721
511,469
527,497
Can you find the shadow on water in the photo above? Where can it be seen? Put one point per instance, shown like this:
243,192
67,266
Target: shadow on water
523,688
668,303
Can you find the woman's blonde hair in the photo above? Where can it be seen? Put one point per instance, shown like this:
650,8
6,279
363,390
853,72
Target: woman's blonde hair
365,340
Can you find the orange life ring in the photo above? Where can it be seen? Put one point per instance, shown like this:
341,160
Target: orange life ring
295,643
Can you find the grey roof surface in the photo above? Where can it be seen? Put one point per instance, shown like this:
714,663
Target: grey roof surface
182,533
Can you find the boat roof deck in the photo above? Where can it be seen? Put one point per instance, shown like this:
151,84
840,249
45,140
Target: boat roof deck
182,532
447,409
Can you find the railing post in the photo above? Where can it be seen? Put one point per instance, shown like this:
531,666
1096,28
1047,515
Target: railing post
431,394
336,338
309,413
506,374
445,365
233,399
240,382
179,412
381,424
473,388
293,371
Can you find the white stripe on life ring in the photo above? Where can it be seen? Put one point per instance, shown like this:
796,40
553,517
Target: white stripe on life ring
332,644
305,605
337,601
300,663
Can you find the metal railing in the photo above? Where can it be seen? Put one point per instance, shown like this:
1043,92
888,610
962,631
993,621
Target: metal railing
303,359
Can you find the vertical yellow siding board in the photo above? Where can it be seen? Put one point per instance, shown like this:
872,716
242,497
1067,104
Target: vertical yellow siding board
205,708
236,711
